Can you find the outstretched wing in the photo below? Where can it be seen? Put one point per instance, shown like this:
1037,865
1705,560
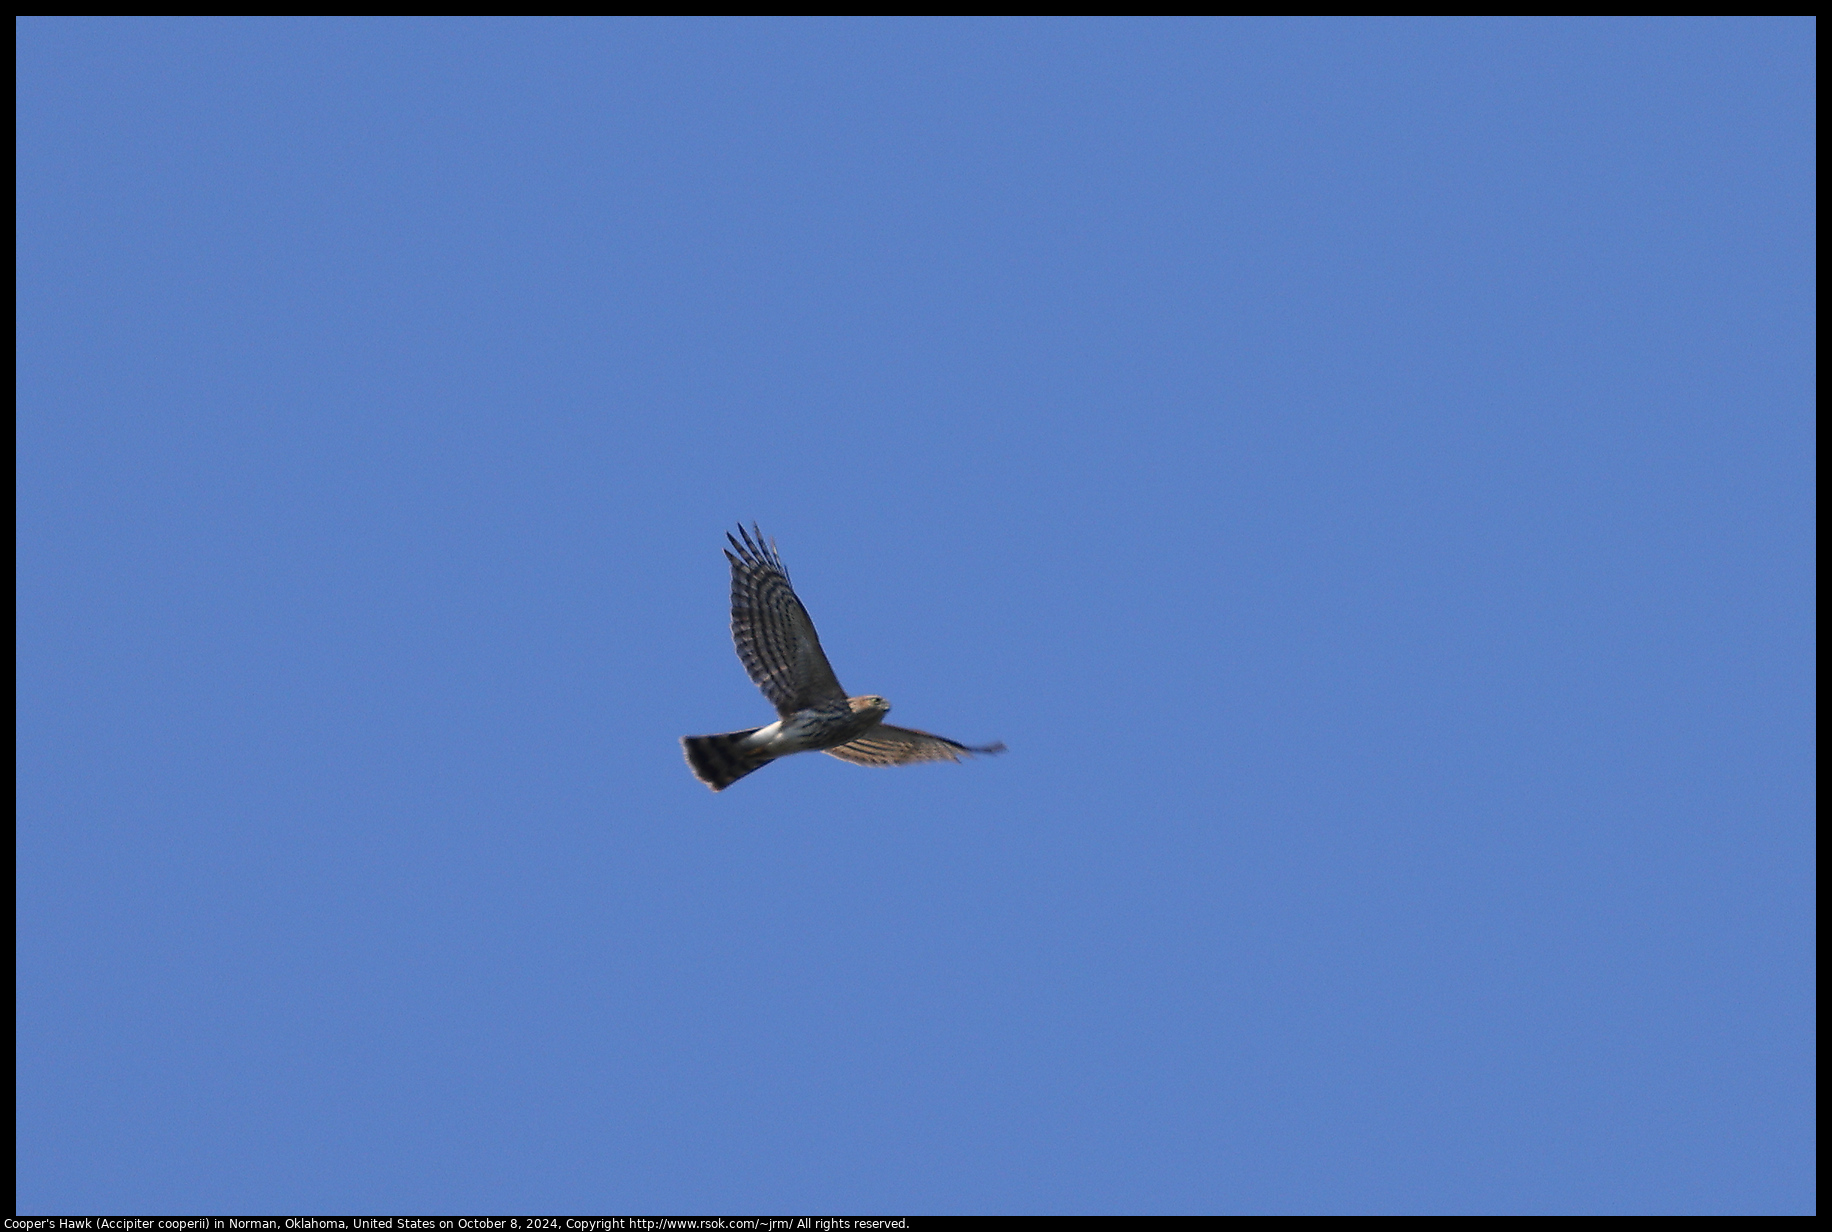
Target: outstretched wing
885,745
776,640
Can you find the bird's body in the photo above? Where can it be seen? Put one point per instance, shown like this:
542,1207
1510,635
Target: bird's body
782,653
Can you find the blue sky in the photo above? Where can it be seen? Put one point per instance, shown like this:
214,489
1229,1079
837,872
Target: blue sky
1362,469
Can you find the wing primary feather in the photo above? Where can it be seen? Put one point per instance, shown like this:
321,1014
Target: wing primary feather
885,745
773,633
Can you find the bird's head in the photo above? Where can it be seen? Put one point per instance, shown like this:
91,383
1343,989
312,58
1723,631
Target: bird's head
876,705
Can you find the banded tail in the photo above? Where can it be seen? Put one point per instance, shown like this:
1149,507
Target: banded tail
718,762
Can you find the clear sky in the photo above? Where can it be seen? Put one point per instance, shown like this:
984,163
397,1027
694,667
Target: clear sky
1363,469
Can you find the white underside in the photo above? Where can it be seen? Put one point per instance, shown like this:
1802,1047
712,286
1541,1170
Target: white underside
776,739
795,734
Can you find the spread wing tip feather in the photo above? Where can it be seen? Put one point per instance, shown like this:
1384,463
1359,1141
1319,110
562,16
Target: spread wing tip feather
885,745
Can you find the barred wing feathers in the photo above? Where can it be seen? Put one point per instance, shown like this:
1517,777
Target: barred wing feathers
885,745
774,635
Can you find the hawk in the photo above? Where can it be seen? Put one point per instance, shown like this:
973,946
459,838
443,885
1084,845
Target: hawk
779,648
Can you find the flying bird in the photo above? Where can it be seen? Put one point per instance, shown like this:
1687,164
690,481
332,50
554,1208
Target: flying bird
779,648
